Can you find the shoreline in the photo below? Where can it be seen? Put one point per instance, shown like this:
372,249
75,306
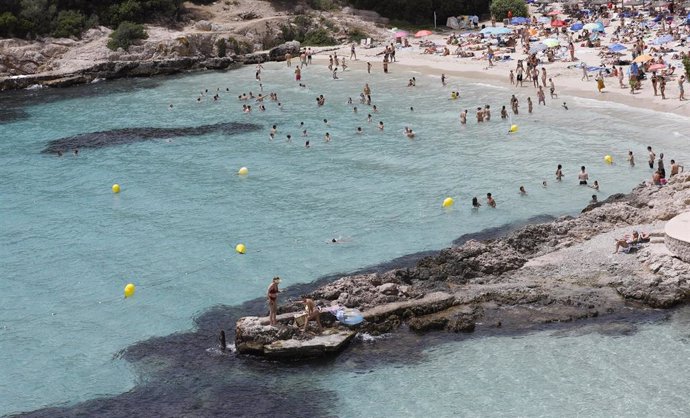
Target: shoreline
475,71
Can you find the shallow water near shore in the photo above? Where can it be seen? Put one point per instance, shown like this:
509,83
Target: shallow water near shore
69,245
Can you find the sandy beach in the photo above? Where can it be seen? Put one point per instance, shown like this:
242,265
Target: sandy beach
566,74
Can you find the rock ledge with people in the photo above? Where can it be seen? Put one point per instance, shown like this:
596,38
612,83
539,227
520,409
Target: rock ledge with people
557,272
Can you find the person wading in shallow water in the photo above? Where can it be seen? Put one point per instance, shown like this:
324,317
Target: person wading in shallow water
273,300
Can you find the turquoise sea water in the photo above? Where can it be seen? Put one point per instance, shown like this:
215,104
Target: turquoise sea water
68,245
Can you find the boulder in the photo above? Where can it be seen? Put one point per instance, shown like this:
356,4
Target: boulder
278,53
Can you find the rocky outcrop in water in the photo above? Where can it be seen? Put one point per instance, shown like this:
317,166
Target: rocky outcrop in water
559,271
129,135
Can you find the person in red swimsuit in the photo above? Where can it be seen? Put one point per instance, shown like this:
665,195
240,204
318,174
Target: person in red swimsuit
273,300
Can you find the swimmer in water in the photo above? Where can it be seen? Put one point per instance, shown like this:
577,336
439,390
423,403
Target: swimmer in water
289,138
325,122
354,109
490,200
359,130
409,132
76,151
564,106
380,125
327,137
543,183
369,118
304,133
475,203
170,107
271,136
463,117
306,144
631,159
375,109
274,129
411,109
559,172
522,190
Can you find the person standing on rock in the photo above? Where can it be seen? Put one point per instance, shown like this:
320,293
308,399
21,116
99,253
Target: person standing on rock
272,295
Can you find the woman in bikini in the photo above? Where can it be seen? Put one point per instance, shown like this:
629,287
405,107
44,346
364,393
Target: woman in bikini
273,300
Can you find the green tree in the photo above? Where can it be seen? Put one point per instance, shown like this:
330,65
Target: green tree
500,8
126,34
69,23
221,47
8,24
37,16
686,64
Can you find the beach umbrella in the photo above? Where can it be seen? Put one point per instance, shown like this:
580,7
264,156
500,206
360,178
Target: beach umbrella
401,34
617,47
558,23
551,43
519,20
643,58
538,47
422,33
656,67
554,13
662,40
576,26
496,31
543,19
594,27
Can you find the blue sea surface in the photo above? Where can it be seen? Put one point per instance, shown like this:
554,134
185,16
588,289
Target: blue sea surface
68,245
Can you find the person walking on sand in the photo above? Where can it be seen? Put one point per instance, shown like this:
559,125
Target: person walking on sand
655,82
272,295
529,105
541,96
543,76
600,82
681,90
353,54
511,77
621,78
585,76
552,88
662,87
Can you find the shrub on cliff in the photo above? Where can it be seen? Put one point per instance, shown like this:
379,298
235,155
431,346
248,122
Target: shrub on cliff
69,23
126,34
8,24
686,64
221,47
499,8
319,37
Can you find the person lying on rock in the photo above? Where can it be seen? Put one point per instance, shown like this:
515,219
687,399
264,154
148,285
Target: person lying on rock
313,313
628,240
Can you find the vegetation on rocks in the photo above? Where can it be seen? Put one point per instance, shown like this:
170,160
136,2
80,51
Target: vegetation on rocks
500,8
126,34
31,18
422,11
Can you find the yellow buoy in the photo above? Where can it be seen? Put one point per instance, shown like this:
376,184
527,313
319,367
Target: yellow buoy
240,248
608,159
513,128
116,188
129,290
448,202
243,171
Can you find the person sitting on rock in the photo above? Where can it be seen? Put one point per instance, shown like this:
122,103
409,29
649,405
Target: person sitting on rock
313,313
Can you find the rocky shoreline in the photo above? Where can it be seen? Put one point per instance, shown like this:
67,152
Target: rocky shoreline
556,272
110,70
